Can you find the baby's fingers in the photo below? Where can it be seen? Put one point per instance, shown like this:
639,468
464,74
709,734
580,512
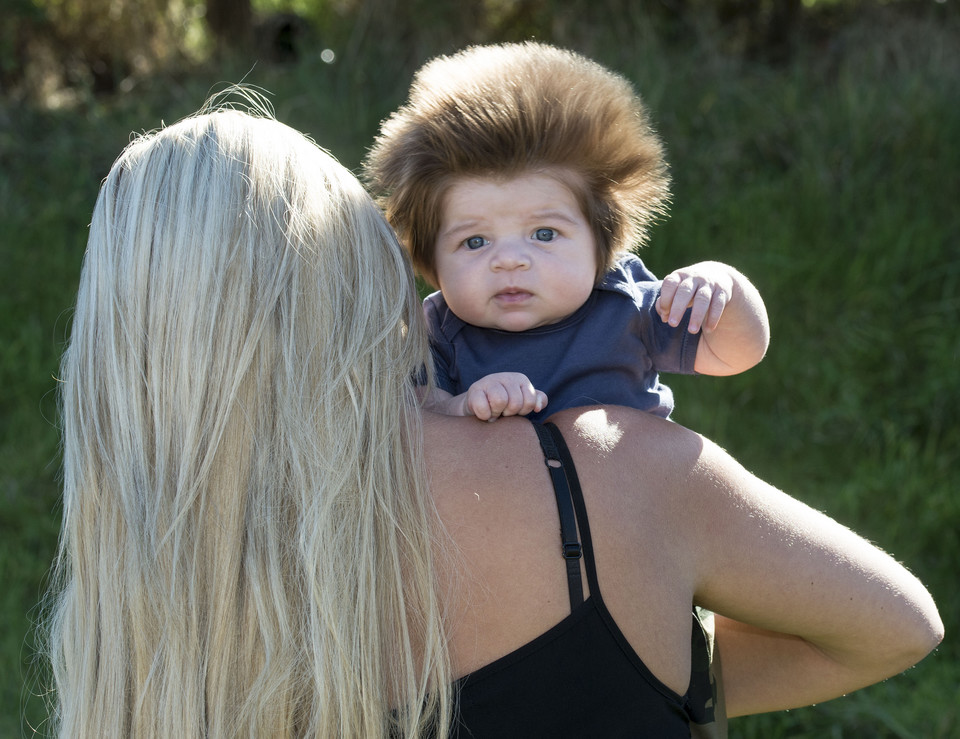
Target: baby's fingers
717,305
522,399
540,401
683,298
493,400
479,406
504,394
700,307
668,290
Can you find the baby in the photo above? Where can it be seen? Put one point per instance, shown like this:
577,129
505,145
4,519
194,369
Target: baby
519,176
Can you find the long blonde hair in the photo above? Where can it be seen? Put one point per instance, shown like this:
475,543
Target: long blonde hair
246,543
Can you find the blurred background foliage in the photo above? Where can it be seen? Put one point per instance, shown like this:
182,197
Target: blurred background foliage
814,144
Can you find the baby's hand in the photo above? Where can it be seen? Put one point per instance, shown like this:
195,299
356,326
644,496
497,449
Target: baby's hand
705,288
503,394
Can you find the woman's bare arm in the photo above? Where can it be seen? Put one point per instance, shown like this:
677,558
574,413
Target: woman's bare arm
821,611
813,610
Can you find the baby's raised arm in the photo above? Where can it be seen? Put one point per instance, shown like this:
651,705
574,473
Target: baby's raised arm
726,307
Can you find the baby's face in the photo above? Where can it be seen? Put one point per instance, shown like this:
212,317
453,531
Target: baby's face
514,254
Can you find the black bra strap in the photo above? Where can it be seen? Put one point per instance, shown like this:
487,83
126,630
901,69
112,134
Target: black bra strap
578,506
568,522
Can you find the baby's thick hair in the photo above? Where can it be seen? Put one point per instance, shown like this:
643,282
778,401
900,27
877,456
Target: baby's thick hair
505,110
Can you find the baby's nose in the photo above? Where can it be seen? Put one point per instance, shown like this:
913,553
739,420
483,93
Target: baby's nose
511,254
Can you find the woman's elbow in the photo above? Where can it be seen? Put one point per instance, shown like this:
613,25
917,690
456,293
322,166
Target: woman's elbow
930,632
920,634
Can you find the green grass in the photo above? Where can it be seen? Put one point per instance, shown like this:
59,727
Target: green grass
831,181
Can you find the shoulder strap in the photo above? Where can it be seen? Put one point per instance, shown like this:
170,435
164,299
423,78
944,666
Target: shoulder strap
704,702
576,493
571,551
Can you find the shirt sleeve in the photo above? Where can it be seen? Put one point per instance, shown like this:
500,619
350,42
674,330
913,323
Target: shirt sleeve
671,349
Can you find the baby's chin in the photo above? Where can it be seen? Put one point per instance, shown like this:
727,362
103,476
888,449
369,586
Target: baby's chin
511,321
517,323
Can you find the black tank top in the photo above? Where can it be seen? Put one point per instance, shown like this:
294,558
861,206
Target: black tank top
581,678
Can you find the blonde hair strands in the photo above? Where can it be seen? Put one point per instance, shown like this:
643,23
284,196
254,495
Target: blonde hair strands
246,544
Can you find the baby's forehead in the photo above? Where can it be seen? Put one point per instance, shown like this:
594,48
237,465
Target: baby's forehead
562,172
569,179
530,190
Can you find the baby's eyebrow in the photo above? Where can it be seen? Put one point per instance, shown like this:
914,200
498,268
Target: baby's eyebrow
459,227
557,215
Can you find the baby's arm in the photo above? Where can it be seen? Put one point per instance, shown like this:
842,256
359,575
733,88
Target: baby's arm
498,394
726,307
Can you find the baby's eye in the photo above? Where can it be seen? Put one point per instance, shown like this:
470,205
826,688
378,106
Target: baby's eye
474,242
544,234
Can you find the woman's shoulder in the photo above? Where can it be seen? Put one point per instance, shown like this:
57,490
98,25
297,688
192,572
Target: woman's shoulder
643,475
474,443
497,460
629,462
605,432
609,441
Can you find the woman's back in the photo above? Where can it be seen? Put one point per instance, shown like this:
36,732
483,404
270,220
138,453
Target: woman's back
536,660
493,492
675,522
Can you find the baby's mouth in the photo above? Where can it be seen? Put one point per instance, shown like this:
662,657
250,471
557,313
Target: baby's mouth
512,295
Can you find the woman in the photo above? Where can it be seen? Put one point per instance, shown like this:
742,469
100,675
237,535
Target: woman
264,535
